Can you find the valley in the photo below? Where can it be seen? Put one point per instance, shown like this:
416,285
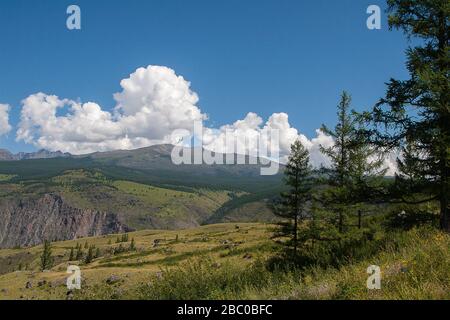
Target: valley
156,250
63,198
139,227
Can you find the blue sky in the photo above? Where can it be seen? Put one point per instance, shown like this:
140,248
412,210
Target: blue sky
263,56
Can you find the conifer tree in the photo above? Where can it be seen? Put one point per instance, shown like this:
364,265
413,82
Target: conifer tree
356,168
97,253
90,255
132,245
79,254
46,256
71,255
414,115
339,154
294,202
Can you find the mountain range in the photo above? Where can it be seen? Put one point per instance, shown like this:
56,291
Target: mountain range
5,155
58,196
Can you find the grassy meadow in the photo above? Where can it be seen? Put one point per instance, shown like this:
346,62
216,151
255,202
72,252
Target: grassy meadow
229,261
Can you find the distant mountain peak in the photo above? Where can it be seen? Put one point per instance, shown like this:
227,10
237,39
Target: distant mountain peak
6,155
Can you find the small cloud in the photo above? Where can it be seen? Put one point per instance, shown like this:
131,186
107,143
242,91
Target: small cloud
5,127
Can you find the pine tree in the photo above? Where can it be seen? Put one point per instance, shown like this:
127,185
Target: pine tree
90,255
119,249
97,253
71,255
414,116
356,169
79,254
132,245
46,256
294,202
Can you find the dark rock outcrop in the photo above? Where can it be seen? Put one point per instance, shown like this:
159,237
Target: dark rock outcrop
30,222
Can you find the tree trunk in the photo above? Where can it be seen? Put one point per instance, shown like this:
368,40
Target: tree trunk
443,199
359,219
295,233
445,218
445,134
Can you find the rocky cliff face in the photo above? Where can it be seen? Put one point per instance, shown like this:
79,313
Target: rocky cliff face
30,222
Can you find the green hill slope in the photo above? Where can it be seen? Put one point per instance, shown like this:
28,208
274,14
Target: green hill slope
139,206
144,188
226,262
150,165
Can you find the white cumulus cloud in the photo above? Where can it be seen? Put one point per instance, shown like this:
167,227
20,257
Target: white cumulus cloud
154,102
250,132
5,127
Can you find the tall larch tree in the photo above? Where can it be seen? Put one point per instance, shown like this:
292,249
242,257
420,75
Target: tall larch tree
414,116
356,166
46,256
293,202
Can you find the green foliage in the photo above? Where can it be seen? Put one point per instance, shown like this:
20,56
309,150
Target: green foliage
203,279
293,204
6,177
239,202
414,115
405,258
356,178
90,255
46,256
134,166
91,187
132,245
79,254
71,254
122,238
120,249
406,217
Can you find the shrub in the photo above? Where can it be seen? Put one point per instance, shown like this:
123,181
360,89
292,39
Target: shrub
203,279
